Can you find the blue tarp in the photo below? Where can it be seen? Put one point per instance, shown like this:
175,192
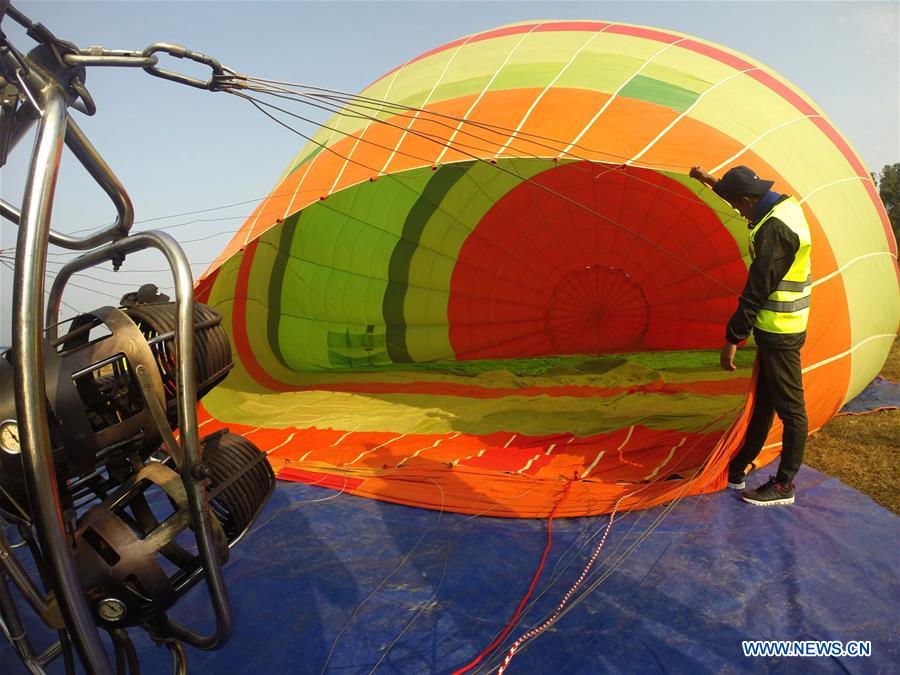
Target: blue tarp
348,585
881,394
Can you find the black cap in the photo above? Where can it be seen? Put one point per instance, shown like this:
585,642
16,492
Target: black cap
146,295
740,181
149,293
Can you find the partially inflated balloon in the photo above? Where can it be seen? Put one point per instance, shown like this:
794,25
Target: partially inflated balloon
489,282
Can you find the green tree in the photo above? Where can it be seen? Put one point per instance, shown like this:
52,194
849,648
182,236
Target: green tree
889,189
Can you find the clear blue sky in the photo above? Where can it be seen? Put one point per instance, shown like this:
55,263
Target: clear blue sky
178,149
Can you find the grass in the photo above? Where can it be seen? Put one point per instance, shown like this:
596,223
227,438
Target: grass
863,450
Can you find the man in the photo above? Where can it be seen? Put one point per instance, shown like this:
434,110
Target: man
775,303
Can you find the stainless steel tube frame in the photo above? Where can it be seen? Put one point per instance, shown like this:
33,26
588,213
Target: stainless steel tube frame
99,170
28,378
187,406
82,148
11,566
10,212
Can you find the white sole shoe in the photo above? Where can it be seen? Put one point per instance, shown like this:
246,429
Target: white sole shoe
737,486
771,502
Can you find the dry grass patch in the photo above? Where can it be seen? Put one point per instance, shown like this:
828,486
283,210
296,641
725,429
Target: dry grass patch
863,450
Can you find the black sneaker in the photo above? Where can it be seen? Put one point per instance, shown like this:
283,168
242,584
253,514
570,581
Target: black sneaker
770,493
736,481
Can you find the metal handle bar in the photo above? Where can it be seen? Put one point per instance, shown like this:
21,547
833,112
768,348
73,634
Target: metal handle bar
30,389
100,171
88,156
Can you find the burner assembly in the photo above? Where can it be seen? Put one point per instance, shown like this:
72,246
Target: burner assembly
112,409
104,481
111,394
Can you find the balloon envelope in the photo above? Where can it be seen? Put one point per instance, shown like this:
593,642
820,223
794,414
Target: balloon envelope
489,282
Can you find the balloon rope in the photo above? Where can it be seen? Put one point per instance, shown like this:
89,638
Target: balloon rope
574,202
534,632
512,622
352,107
615,564
396,108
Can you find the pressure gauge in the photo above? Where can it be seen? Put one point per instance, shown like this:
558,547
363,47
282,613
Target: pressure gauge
9,437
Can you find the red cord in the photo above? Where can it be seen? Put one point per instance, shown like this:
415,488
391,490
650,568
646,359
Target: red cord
487,650
556,614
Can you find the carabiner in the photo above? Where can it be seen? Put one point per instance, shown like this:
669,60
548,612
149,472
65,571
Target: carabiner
214,83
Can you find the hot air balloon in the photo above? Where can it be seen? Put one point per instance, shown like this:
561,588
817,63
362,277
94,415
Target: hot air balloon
487,283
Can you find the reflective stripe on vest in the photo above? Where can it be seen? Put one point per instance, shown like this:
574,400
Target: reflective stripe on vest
786,307
786,310
796,286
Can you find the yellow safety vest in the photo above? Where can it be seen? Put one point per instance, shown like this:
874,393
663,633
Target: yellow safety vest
786,310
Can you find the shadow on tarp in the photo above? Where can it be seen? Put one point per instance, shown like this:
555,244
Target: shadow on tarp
327,580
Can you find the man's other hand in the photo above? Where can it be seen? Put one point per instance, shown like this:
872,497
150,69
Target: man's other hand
727,356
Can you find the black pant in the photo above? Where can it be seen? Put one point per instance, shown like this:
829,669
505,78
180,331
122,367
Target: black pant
779,389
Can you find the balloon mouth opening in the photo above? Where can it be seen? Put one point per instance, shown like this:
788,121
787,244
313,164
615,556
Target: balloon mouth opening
639,419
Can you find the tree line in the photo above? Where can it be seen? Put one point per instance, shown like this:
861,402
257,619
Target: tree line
888,182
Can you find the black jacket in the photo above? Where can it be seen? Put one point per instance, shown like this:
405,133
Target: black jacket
776,246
